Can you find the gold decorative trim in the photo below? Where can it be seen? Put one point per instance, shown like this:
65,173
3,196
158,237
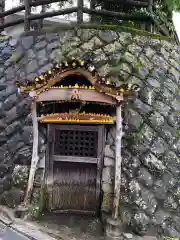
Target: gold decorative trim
76,117
102,84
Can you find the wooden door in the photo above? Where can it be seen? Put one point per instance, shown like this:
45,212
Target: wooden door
75,163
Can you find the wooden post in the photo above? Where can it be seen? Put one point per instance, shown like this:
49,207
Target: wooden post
150,25
27,14
2,9
35,158
43,10
118,161
80,11
93,6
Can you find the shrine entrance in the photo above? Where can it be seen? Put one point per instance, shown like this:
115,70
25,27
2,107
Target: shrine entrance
75,150
75,104
75,162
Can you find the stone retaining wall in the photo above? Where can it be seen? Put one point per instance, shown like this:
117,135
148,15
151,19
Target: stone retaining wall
151,145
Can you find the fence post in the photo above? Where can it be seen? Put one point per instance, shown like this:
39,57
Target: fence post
43,10
150,5
27,13
92,7
80,11
2,9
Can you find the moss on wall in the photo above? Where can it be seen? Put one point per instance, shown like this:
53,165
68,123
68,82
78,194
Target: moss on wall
38,204
106,202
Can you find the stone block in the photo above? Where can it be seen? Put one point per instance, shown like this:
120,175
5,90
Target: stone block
111,137
12,198
11,115
108,36
10,101
13,127
145,177
40,45
23,155
41,163
15,143
27,42
108,174
53,45
32,66
13,42
27,134
109,161
107,187
20,176
108,152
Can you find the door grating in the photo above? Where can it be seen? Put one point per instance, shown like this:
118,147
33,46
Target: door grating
77,143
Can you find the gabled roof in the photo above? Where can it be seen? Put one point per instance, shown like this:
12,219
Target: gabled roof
74,66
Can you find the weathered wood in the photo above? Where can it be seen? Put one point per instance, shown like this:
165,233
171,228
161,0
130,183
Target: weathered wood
49,181
58,158
2,9
119,15
80,11
118,161
27,13
122,16
59,94
39,16
130,2
55,156
34,160
43,10
31,4
100,157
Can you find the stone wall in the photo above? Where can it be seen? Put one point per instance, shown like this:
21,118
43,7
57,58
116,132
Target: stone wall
151,144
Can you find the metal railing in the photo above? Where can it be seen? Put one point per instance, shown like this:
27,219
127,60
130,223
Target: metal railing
79,9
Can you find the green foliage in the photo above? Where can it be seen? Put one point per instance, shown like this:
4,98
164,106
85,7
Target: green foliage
106,201
39,205
173,5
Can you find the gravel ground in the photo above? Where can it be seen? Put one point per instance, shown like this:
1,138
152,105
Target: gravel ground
67,227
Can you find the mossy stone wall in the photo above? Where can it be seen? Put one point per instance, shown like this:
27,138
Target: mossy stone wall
151,144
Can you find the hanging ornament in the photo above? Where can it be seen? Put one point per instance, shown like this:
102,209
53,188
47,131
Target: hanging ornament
91,68
107,81
82,63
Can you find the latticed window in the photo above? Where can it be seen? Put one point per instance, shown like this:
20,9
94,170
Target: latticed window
77,143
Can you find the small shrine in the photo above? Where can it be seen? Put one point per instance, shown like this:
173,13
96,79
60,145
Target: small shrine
76,104
73,92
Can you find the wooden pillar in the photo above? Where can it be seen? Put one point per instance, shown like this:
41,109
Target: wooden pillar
118,162
35,158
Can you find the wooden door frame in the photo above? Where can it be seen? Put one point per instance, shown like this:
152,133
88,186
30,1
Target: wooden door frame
49,154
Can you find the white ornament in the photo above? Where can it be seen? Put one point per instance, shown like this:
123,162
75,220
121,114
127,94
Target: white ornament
19,90
32,94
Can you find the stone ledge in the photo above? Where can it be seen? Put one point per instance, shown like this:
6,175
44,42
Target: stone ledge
20,229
